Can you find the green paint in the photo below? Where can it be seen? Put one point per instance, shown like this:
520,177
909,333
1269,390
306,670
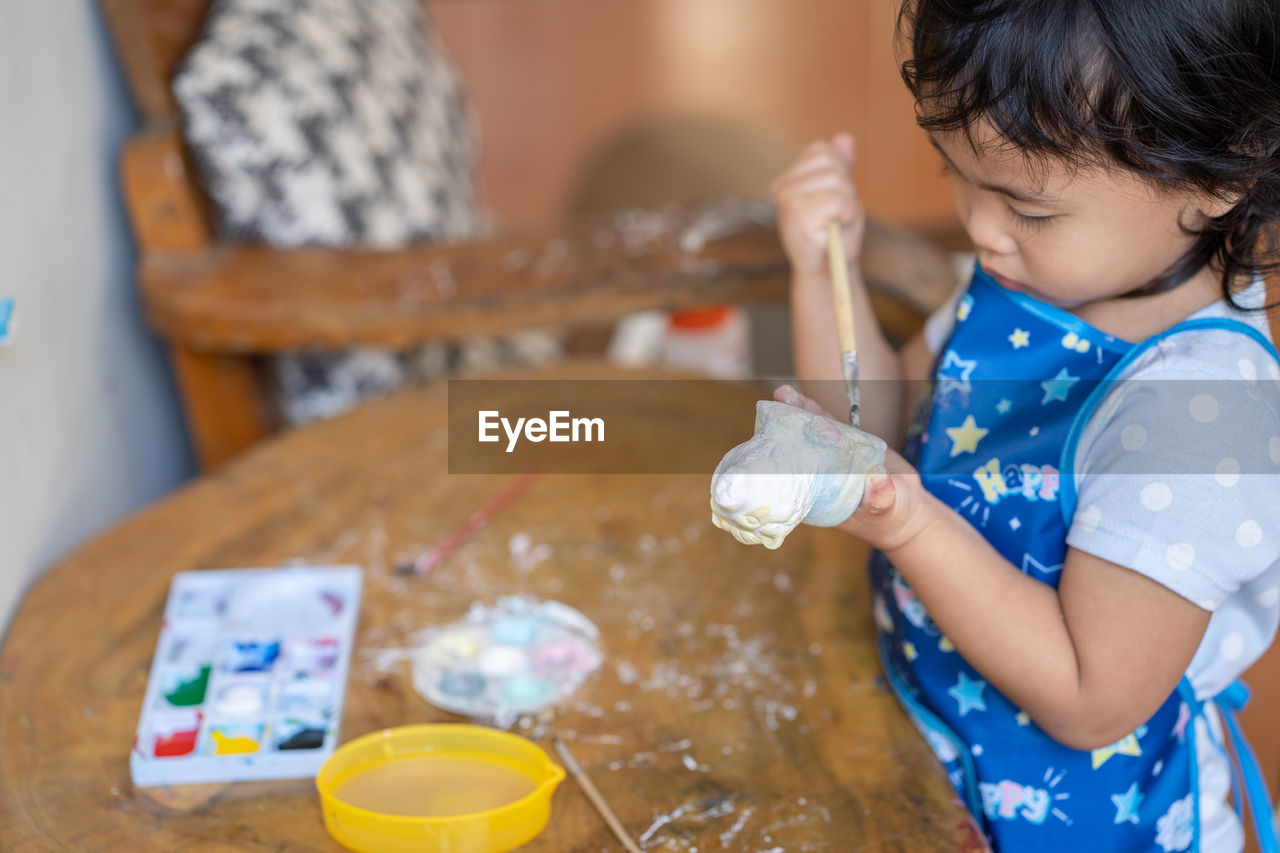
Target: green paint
191,691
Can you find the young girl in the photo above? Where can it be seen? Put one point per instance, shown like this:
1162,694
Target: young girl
1069,643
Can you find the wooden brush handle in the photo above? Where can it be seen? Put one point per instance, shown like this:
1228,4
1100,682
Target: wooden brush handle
594,795
840,289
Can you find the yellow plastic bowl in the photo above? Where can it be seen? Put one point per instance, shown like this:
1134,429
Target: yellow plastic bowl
448,764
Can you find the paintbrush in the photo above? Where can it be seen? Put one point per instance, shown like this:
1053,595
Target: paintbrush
476,522
593,794
844,317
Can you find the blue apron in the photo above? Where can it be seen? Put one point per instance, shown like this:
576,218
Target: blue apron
1013,388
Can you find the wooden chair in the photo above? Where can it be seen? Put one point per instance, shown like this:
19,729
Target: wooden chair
221,307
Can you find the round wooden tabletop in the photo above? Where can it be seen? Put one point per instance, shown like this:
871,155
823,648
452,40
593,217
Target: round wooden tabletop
739,706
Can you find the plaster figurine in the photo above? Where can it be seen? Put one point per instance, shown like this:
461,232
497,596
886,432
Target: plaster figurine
798,467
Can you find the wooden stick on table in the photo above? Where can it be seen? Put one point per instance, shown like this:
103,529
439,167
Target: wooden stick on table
477,521
843,301
593,794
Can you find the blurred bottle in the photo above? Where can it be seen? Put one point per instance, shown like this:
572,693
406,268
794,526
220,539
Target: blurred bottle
715,340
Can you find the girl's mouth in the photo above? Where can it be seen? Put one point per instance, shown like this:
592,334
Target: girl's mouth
1007,283
1019,287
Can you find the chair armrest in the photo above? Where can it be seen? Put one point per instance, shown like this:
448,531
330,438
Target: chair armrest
257,300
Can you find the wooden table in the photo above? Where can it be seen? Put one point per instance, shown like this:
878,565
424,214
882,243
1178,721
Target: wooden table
739,708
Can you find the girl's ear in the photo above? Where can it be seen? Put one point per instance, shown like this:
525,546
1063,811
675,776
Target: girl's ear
1211,207
1200,208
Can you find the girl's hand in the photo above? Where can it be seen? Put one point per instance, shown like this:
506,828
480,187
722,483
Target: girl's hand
895,507
813,192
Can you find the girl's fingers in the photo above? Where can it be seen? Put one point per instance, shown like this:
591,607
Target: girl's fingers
819,182
789,395
815,191
820,186
845,146
835,156
820,203
821,172
879,496
819,156
826,163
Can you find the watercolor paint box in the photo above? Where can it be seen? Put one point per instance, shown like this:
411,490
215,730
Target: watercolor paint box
248,677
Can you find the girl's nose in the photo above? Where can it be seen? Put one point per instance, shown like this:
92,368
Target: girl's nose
987,224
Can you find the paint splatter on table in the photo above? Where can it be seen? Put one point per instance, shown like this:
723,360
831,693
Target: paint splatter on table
737,707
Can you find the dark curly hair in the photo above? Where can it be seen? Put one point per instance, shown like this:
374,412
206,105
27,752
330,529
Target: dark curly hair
1185,92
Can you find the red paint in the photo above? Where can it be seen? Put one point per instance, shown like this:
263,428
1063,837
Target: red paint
180,742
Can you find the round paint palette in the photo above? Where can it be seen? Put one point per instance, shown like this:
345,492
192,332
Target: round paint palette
516,657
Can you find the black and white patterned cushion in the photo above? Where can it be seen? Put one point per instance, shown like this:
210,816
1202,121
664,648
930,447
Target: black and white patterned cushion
336,123
327,122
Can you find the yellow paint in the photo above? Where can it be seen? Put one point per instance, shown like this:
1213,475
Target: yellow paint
238,745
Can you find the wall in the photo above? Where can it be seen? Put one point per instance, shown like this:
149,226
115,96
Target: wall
89,423
584,105
557,84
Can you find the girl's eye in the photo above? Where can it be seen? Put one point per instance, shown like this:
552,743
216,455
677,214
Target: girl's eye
1035,223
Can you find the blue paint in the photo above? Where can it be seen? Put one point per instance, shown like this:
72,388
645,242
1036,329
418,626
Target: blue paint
525,689
464,685
515,630
251,656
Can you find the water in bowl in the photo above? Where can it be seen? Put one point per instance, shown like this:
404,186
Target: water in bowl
434,786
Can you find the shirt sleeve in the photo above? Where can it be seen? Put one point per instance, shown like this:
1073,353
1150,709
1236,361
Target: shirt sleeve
939,325
1178,469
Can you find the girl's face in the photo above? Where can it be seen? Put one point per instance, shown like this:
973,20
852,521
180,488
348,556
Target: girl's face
1065,236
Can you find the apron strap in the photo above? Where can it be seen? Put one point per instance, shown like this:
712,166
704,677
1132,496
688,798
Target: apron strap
1273,288
1273,300
1230,700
